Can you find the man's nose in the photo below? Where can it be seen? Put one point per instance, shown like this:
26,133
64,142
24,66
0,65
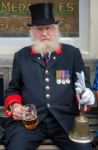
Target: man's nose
44,32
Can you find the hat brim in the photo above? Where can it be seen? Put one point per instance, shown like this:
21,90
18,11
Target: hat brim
42,22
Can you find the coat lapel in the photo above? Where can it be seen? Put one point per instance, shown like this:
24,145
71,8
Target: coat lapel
53,60
38,59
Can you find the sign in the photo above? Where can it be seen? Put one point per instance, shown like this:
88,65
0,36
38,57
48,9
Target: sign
14,16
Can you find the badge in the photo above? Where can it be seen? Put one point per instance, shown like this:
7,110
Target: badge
68,81
58,81
63,81
67,77
62,77
58,76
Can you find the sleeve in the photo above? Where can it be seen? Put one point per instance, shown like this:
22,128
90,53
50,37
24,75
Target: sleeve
13,93
79,66
95,83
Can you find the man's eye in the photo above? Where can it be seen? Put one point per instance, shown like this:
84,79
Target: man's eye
40,29
48,28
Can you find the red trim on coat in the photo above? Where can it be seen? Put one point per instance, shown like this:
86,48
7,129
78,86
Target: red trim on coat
33,52
9,100
58,51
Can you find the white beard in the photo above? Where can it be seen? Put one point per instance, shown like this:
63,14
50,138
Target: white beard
42,48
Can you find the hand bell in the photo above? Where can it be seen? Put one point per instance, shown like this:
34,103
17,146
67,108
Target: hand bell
80,132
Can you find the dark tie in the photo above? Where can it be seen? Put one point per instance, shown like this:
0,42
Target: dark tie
46,58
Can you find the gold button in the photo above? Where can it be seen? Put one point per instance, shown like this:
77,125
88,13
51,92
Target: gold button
47,79
54,57
47,95
48,105
46,71
38,58
47,88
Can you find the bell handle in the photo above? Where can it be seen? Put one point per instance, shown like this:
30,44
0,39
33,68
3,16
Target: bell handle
82,108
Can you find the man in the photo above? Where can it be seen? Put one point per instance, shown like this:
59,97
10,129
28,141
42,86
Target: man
48,83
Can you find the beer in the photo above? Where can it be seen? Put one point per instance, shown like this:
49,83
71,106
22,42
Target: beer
29,116
31,124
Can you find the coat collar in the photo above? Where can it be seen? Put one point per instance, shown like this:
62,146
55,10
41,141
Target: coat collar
58,51
55,56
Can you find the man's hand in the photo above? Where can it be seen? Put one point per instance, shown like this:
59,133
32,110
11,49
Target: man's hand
17,110
86,95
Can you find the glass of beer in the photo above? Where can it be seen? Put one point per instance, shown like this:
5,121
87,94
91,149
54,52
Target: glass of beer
29,116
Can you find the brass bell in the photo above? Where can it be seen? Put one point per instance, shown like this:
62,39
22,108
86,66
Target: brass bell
80,132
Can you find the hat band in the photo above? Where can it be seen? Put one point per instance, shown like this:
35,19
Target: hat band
42,22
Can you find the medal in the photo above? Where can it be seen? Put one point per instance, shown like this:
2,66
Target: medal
63,81
68,81
58,81
58,76
67,77
63,77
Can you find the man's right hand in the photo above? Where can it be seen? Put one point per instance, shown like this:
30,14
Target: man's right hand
17,111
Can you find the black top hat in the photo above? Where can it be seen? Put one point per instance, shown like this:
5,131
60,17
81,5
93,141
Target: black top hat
42,14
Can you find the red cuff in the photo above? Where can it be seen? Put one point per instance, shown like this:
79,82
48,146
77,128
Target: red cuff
11,99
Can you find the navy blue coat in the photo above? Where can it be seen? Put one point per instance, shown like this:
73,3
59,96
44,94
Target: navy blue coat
29,79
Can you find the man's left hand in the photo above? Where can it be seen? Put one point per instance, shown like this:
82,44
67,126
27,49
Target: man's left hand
87,96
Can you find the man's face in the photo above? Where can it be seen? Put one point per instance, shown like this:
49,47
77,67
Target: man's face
45,38
44,33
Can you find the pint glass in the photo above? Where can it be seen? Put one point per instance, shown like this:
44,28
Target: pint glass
29,116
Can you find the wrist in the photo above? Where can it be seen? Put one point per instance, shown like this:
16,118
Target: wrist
11,106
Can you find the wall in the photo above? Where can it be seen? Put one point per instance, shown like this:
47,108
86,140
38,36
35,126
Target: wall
94,28
10,45
87,41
